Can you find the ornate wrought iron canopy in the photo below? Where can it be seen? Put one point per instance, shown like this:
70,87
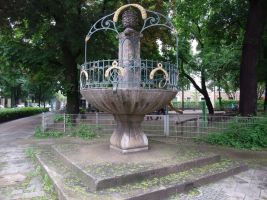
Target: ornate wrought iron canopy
98,74
150,19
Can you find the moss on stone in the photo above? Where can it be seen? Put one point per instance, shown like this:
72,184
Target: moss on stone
171,179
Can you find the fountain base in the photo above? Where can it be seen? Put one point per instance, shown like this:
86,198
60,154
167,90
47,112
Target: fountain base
124,151
128,136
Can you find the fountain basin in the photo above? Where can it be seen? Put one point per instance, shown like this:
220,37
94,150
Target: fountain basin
128,107
128,101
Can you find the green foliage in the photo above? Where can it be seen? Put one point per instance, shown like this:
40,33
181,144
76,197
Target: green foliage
8,114
69,120
188,104
58,118
227,104
46,134
31,153
241,135
85,131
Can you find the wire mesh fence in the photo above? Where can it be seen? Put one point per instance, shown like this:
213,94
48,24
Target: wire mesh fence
172,125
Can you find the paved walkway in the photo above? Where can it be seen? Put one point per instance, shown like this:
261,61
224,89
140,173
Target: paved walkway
249,185
18,176
16,130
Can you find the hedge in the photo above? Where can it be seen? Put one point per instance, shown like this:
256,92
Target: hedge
226,104
8,114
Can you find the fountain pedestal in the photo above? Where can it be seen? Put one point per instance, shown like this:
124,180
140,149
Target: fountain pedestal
128,136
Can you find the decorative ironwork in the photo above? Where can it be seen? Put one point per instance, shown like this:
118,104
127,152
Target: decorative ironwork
100,75
157,19
120,71
159,68
162,81
105,23
98,71
83,78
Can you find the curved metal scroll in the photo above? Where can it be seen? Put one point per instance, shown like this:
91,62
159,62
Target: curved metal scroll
162,83
83,72
105,23
157,19
159,68
115,66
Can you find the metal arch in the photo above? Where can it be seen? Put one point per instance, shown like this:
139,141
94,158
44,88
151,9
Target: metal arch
158,19
105,23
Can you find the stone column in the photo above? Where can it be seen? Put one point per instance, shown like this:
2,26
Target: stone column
129,51
128,136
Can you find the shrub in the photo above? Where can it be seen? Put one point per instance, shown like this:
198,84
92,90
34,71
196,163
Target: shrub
8,114
84,131
227,104
58,118
47,134
241,135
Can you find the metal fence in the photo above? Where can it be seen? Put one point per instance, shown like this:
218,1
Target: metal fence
143,73
171,125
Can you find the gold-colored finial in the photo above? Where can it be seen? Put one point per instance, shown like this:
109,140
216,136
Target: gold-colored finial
141,8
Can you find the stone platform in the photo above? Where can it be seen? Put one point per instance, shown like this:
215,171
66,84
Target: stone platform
96,172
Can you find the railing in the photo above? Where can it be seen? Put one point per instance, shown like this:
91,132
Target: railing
147,74
172,125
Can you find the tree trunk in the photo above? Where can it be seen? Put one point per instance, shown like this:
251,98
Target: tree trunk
202,90
12,97
182,98
265,96
71,74
208,102
205,93
250,57
220,97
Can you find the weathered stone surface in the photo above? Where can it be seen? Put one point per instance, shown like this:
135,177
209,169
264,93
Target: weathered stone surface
128,107
128,101
129,59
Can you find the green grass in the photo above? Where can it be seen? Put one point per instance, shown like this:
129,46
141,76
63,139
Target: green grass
47,134
85,132
241,135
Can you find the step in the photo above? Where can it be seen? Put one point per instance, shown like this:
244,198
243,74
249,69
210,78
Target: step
95,182
66,181
71,185
164,187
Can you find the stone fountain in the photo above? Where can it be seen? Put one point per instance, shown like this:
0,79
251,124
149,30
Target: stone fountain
129,87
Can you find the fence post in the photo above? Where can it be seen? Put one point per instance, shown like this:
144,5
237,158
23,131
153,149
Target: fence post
64,124
43,122
198,124
96,118
166,125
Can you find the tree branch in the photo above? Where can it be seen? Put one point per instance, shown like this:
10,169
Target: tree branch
192,81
